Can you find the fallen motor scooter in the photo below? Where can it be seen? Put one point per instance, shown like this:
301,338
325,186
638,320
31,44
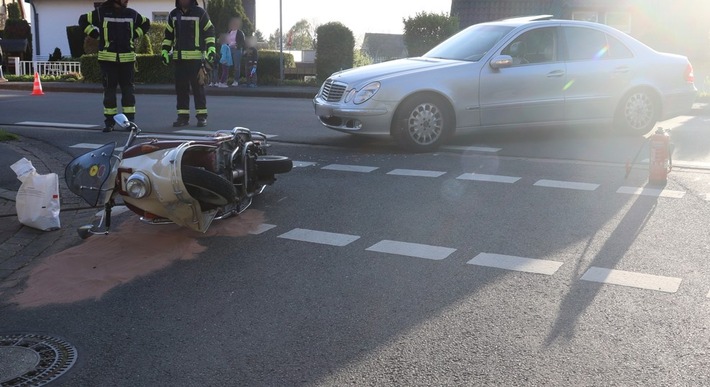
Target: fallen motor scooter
186,180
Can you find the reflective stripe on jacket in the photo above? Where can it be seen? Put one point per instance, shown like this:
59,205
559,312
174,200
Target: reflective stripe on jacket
118,28
189,34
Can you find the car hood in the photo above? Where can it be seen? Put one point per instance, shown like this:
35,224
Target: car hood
380,71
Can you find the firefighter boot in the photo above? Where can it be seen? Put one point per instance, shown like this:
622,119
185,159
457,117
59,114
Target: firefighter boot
180,122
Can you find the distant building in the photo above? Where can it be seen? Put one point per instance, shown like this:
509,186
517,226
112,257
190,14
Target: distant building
677,26
384,47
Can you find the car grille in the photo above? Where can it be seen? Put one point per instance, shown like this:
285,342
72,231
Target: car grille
333,91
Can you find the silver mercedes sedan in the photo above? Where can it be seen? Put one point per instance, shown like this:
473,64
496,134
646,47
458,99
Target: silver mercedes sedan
532,71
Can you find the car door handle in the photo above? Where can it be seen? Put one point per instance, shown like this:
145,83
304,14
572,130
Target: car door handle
556,74
621,70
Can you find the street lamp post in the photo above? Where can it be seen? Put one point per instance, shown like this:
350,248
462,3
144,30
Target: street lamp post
281,43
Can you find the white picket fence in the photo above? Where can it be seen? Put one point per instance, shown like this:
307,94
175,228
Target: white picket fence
43,67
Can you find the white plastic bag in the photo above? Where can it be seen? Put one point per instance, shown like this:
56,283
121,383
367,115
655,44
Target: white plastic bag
37,201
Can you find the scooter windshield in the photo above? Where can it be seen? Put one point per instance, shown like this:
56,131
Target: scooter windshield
87,174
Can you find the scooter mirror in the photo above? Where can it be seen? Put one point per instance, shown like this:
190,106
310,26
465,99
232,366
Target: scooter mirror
85,231
122,120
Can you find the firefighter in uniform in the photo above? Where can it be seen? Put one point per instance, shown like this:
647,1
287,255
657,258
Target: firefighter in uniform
190,35
117,27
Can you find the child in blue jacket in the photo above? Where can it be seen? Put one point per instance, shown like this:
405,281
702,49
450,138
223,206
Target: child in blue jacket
225,60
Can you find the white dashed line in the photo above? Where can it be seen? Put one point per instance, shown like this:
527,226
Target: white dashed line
415,172
656,192
85,145
488,178
262,228
349,168
411,250
303,164
210,132
631,279
56,125
320,237
472,148
508,262
566,185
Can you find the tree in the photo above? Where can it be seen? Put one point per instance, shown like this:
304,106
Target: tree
222,11
426,30
300,36
273,41
259,36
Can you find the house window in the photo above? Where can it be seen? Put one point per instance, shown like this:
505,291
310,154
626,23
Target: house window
160,17
585,16
619,20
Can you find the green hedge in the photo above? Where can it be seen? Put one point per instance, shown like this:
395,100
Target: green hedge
335,46
150,68
268,71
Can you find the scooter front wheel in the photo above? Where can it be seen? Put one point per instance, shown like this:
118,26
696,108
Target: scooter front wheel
269,165
207,187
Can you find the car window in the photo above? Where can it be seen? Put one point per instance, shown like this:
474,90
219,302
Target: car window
590,44
470,44
618,50
536,46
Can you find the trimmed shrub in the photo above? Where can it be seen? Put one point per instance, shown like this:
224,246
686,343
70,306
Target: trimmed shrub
156,35
75,36
149,69
144,47
56,55
334,46
424,31
268,68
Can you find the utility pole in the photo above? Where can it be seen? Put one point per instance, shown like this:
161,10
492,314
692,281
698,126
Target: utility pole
281,43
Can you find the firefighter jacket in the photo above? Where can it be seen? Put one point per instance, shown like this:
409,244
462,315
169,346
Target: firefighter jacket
190,34
117,29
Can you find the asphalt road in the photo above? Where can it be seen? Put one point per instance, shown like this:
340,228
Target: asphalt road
369,266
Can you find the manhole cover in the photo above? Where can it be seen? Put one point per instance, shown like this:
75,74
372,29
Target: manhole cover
33,360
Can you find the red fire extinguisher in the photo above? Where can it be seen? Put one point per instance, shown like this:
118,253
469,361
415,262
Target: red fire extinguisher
660,161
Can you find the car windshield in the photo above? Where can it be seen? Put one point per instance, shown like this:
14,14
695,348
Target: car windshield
470,44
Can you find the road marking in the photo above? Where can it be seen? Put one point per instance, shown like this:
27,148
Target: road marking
56,124
472,148
412,250
567,185
349,168
656,192
509,262
320,237
415,172
262,228
85,145
211,132
631,279
488,178
303,164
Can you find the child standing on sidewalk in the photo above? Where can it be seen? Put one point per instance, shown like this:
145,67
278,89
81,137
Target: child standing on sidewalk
225,60
252,55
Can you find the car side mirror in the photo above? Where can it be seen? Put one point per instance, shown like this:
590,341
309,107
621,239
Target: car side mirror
501,62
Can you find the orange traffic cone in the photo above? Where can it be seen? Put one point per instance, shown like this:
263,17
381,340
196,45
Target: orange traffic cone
37,88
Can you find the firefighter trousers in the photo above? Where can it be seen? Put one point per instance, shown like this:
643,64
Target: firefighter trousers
116,74
186,78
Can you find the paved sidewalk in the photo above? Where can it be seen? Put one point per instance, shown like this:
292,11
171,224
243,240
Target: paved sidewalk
169,89
21,245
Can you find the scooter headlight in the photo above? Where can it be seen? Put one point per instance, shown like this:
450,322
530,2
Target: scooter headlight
138,185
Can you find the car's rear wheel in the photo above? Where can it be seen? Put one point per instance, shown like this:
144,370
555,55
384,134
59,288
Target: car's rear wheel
423,123
638,112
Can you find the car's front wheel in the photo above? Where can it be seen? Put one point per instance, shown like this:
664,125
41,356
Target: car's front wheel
638,112
422,124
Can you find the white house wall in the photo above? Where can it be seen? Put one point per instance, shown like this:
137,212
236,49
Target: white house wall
56,15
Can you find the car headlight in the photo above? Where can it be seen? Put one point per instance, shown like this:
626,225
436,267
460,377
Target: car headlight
138,185
349,96
366,93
